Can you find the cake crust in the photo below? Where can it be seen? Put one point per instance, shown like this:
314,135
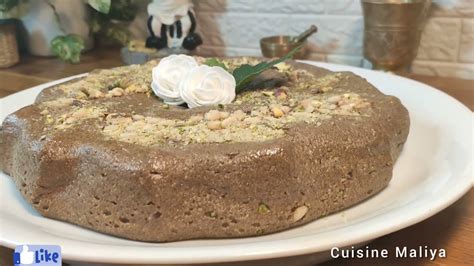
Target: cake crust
168,188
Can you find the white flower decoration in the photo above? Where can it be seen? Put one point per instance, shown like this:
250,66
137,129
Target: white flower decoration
206,85
168,74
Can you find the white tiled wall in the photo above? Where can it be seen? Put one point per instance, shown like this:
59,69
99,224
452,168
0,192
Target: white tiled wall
234,27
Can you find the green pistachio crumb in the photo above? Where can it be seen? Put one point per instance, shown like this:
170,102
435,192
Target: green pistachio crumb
211,214
263,208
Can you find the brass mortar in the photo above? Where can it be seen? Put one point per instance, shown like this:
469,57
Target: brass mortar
278,46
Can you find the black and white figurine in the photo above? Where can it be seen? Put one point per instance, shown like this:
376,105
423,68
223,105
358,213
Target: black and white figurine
172,24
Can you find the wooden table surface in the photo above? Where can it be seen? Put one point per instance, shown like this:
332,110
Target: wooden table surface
452,229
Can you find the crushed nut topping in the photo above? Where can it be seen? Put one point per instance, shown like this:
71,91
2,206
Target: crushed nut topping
255,115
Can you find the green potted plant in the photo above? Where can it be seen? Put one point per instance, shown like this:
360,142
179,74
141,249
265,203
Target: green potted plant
67,47
9,12
65,22
110,19
67,28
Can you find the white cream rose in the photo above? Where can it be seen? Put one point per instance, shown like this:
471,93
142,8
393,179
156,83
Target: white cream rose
206,85
167,75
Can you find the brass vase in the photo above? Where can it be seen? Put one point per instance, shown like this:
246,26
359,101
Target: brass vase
392,31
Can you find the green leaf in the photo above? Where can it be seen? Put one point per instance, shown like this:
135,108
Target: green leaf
215,62
246,73
68,47
95,24
7,5
118,33
123,10
102,6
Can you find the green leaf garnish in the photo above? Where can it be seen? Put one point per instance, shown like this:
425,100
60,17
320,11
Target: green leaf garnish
246,73
68,47
215,62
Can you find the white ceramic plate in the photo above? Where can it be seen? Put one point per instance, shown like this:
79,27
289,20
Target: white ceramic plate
434,170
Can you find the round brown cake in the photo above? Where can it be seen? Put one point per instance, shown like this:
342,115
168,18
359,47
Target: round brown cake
299,143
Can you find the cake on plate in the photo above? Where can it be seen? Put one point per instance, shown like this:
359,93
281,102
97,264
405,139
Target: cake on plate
297,143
